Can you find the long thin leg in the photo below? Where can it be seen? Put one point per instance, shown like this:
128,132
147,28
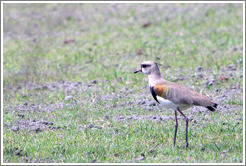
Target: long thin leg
187,121
176,128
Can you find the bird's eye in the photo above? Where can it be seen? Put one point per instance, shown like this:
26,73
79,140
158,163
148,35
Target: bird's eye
144,65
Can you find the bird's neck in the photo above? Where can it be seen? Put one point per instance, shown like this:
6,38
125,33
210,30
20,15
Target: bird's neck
153,78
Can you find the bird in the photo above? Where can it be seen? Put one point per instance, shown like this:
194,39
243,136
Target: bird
172,95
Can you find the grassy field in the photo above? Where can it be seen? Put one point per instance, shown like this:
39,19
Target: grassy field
70,95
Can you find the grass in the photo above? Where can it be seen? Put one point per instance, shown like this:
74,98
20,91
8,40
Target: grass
109,43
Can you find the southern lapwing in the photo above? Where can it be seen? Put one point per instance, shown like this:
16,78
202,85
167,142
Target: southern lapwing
173,95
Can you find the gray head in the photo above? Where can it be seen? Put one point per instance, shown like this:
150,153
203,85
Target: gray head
149,68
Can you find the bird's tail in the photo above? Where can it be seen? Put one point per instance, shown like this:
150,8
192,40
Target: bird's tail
212,108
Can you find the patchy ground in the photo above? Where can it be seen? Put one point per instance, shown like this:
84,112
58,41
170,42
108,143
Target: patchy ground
144,101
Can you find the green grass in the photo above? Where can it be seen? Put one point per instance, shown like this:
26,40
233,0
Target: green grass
130,141
110,43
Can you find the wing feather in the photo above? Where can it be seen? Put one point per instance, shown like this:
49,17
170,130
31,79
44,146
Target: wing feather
180,94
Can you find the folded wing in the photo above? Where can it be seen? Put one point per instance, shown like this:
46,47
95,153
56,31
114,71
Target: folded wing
180,94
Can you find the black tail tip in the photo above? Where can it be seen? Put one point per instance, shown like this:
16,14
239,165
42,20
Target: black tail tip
212,108
215,105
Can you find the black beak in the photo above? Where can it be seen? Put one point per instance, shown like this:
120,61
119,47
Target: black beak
139,70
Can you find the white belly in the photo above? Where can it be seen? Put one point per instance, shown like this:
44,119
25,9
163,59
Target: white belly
169,104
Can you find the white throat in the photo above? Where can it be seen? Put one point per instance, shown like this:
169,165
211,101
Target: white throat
153,79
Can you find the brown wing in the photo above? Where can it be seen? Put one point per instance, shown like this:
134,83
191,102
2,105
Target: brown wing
180,94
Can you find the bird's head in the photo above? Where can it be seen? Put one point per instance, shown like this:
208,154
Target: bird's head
148,67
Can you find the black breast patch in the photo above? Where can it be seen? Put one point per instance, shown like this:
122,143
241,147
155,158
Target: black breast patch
153,93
